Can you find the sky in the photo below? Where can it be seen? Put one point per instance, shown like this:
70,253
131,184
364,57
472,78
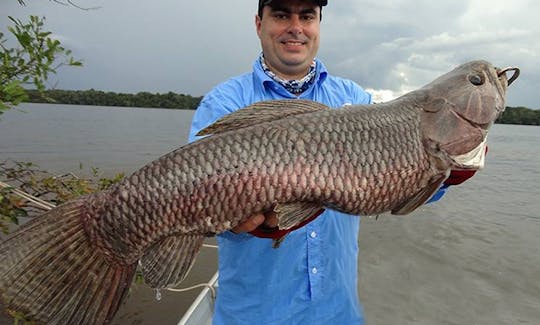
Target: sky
388,47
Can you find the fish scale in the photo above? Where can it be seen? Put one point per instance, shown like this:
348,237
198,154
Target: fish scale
75,263
244,156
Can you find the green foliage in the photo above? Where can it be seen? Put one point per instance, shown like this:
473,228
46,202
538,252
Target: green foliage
520,115
31,62
101,98
41,184
10,209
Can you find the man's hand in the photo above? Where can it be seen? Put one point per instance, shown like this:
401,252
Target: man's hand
269,219
264,225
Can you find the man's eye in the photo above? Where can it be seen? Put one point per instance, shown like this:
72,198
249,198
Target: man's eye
280,16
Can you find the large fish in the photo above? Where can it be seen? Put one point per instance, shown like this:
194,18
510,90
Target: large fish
74,264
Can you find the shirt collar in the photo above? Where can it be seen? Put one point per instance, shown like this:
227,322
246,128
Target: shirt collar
265,81
294,86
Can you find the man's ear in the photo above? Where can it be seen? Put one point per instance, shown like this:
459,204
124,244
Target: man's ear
258,25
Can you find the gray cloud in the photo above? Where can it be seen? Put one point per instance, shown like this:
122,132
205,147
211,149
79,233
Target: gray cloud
190,46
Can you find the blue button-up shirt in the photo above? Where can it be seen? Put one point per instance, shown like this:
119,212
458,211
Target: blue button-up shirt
312,277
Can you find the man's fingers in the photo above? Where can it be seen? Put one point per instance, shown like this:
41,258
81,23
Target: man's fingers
271,219
250,224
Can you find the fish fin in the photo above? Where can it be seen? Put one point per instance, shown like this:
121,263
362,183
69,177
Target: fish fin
421,197
276,242
292,214
51,272
167,262
261,112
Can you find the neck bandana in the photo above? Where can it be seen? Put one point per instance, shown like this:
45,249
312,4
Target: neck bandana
293,86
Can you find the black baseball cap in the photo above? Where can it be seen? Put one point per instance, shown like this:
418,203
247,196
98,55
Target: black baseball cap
321,3
263,3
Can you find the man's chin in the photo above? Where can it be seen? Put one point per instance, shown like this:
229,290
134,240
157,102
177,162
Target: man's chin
294,59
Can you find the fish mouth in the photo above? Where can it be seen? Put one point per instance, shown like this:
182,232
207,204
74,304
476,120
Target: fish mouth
474,159
504,82
515,75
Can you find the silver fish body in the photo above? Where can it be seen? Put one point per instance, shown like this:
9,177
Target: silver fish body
291,156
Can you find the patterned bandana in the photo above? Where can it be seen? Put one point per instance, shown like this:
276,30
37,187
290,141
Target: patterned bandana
293,86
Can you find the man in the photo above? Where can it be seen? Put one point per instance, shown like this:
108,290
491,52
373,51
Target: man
312,277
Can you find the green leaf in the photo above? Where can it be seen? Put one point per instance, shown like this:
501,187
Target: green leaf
32,60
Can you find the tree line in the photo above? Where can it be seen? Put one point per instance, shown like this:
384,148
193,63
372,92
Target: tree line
512,115
101,98
520,115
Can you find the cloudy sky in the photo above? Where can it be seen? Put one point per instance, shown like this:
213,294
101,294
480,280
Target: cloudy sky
388,47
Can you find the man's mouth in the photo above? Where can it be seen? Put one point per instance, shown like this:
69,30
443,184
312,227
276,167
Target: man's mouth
293,43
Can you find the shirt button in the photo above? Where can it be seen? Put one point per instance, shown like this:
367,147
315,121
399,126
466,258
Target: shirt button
313,234
314,270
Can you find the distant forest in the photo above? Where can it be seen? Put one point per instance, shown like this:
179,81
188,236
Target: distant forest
520,115
101,98
512,115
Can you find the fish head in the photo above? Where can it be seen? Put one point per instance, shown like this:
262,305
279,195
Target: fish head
459,108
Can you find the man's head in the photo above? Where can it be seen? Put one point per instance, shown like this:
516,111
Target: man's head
289,33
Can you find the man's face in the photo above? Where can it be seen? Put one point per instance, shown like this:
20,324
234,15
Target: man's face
289,34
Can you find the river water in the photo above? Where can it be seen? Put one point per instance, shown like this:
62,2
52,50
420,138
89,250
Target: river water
471,258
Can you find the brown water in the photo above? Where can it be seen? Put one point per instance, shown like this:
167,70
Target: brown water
472,258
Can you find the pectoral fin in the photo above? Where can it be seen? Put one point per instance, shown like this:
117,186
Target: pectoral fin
261,112
292,214
168,262
421,197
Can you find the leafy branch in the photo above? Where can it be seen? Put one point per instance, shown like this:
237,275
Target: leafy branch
56,189
30,63
65,3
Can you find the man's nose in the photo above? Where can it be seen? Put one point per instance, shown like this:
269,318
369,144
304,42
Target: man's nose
295,26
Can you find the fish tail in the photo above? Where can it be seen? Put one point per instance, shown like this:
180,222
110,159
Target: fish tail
51,272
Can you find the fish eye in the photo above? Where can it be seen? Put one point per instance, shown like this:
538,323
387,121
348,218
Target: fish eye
476,79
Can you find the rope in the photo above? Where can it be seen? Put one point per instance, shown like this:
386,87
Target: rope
209,284
200,285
